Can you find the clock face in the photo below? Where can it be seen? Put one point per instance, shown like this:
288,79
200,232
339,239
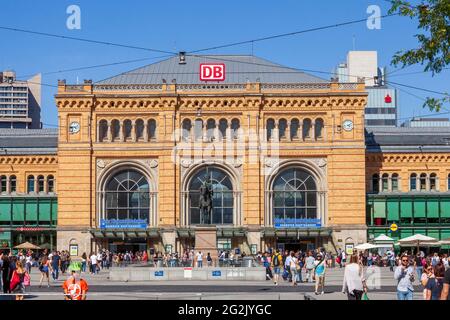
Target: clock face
74,127
348,125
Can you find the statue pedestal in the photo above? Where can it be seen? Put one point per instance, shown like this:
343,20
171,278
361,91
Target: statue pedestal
206,241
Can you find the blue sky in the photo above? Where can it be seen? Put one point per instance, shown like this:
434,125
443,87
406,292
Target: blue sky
189,25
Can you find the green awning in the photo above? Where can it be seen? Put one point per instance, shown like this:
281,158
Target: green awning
393,208
379,209
433,208
406,208
419,208
445,208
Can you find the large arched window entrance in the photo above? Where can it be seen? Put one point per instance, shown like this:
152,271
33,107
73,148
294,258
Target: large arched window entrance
294,195
223,198
127,196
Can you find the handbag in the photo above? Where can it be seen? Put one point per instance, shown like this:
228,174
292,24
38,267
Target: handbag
26,280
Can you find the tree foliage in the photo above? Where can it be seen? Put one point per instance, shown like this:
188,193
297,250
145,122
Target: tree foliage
433,18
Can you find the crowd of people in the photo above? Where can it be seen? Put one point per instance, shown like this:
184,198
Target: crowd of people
295,267
431,272
291,265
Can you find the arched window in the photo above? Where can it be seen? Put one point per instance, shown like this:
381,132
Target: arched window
423,181
139,130
127,128
282,126
318,129
30,184
394,181
294,196
222,197
127,196
223,125
3,184
210,129
40,184
433,181
295,125
12,184
413,182
102,130
115,130
375,183
198,130
385,182
270,127
235,125
50,184
186,130
151,129
306,132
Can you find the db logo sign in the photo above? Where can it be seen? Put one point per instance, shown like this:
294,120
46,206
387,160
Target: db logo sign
212,72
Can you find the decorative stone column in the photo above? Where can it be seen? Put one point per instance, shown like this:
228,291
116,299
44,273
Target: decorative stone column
276,132
145,131
109,133
133,131
121,131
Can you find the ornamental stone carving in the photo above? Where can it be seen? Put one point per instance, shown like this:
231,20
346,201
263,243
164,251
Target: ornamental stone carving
101,164
186,163
153,163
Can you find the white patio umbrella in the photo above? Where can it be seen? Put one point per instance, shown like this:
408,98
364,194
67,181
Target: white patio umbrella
445,241
365,246
418,239
383,238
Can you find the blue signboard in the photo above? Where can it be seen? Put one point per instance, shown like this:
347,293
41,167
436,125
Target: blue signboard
159,273
297,223
217,273
123,224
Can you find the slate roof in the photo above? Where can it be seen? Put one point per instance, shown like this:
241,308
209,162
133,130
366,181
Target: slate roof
28,141
239,69
402,139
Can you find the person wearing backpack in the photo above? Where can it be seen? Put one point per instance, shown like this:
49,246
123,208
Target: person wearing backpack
277,260
19,280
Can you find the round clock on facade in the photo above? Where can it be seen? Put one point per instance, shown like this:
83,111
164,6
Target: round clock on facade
74,127
348,125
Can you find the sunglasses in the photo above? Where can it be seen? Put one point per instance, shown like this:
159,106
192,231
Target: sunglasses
405,260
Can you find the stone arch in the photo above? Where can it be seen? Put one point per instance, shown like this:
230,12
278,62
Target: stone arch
308,166
234,176
114,168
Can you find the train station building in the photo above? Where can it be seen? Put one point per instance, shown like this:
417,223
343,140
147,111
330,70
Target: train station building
290,160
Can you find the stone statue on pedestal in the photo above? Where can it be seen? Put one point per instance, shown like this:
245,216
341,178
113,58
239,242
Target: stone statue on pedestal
206,201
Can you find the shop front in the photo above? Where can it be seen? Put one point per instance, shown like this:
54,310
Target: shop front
120,236
26,218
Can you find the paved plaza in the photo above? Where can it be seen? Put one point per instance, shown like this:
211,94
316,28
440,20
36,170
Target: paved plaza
101,288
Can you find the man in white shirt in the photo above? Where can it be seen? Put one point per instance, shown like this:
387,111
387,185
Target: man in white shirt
199,259
93,263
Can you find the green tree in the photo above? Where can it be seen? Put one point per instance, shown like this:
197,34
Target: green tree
433,42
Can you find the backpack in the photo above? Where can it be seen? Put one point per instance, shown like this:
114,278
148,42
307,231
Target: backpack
276,261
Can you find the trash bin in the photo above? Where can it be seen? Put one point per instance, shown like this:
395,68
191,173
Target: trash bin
247,262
